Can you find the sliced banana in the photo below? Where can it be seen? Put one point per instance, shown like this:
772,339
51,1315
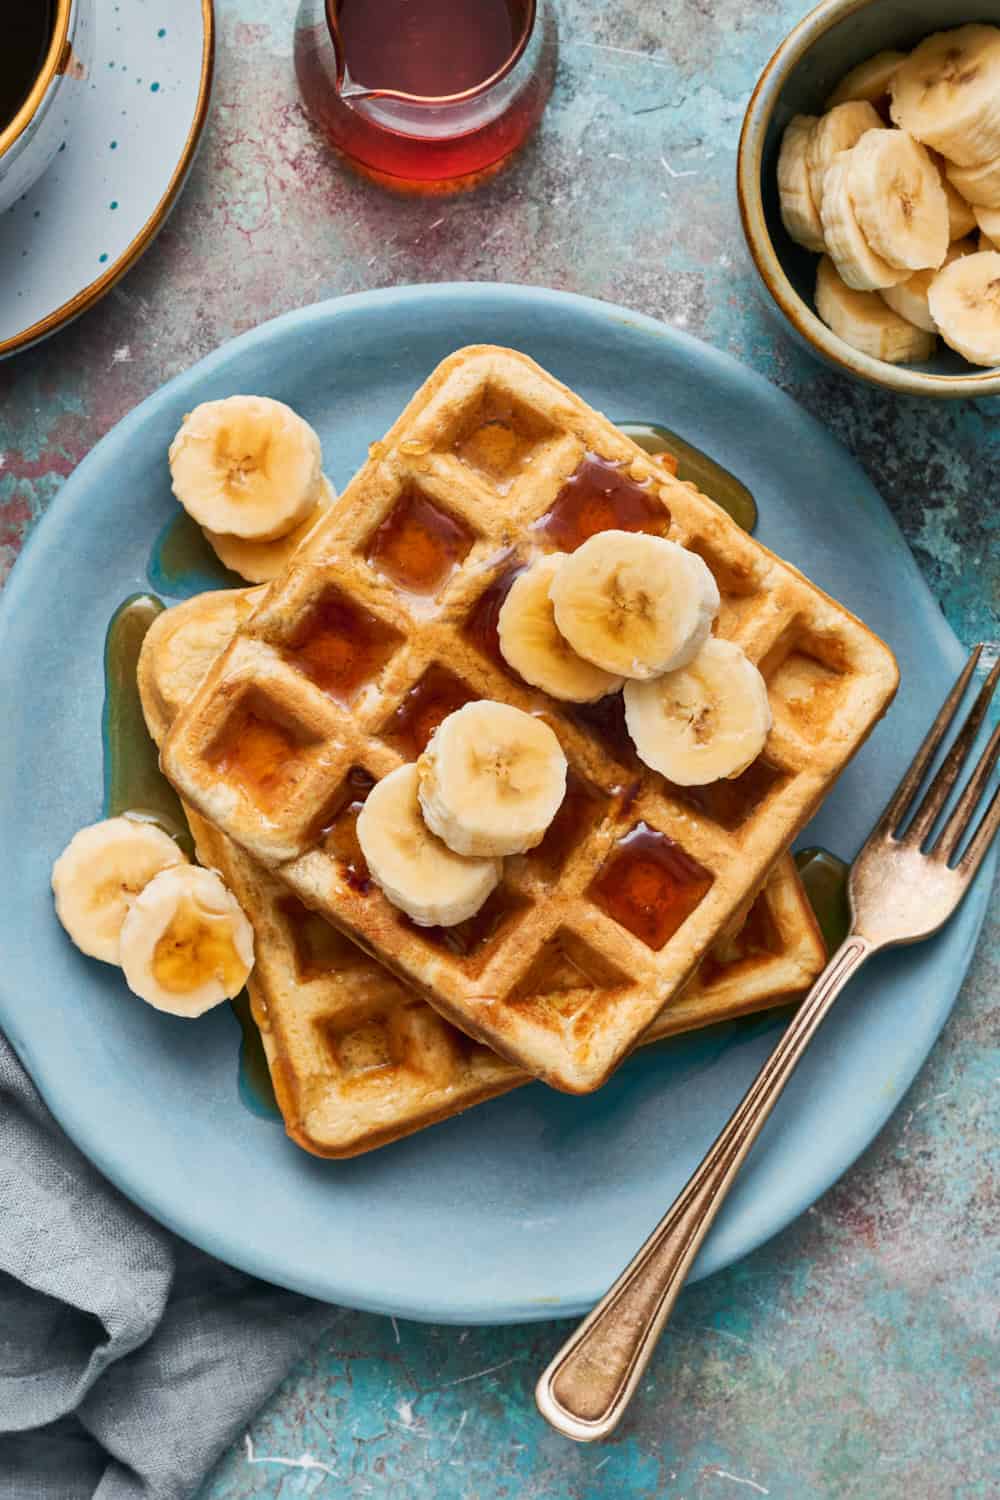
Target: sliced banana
961,219
491,780
965,304
181,645
703,723
869,80
837,131
261,561
247,466
898,199
418,873
977,184
909,298
99,875
799,213
863,320
532,645
186,944
947,94
855,260
635,605
988,220
983,242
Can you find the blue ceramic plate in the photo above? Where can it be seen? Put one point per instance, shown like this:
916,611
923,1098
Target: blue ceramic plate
529,1205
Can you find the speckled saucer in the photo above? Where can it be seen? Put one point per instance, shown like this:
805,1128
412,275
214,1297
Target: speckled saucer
113,183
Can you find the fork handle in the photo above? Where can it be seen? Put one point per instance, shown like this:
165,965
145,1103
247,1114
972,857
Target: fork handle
584,1391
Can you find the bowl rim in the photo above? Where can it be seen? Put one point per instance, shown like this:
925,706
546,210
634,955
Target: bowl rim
764,256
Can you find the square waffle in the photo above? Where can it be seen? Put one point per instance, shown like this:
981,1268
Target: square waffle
356,1057
393,603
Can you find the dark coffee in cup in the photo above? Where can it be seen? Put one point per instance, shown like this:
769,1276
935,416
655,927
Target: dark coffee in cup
25,36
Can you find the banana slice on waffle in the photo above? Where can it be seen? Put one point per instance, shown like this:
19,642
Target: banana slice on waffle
635,605
247,467
419,874
185,944
259,562
532,644
703,723
491,780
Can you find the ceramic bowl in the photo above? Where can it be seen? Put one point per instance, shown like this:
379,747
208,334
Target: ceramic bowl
47,117
800,76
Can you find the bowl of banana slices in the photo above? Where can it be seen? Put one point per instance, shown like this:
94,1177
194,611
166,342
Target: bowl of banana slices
869,187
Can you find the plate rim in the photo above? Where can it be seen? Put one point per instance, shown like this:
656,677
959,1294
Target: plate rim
88,296
464,1309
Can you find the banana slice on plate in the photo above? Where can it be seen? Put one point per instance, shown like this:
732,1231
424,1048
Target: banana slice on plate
977,185
418,873
965,304
855,260
100,874
837,131
181,645
799,213
259,562
869,80
863,320
532,645
635,605
186,944
706,722
947,94
898,199
247,466
909,298
491,780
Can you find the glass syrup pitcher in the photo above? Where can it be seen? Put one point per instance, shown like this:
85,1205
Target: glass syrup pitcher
425,91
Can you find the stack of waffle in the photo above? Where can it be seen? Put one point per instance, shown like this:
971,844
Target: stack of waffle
337,673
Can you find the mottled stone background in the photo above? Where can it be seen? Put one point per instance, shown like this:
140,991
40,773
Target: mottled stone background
856,1355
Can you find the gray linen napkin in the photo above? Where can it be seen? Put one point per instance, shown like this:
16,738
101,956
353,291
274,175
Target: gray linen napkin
128,1360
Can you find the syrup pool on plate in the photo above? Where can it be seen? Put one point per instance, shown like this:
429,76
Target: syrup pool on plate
134,784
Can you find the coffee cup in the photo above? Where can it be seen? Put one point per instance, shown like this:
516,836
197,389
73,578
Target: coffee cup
45,62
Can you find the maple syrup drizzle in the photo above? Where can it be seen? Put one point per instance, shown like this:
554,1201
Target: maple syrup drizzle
605,720
824,877
437,694
183,564
601,496
692,466
578,812
340,646
260,755
650,885
481,623
134,783
730,803
339,832
418,545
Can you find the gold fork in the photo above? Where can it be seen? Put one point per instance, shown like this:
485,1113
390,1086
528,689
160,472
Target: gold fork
900,892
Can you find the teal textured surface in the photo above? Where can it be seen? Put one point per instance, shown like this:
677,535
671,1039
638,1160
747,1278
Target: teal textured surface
855,1355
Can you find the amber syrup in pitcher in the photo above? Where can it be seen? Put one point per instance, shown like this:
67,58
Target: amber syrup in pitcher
425,91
